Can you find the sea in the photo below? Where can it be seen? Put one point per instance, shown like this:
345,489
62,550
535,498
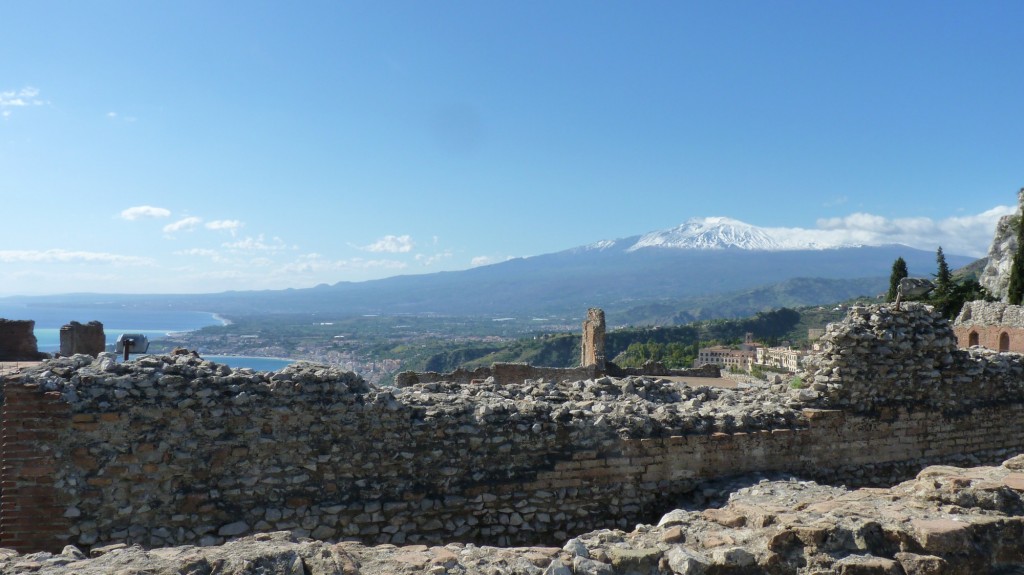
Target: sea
153,323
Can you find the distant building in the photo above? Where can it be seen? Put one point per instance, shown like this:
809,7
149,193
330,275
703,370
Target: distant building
736,358
785,358
748,355
726,357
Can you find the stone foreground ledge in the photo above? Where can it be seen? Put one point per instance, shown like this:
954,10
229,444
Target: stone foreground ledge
948,520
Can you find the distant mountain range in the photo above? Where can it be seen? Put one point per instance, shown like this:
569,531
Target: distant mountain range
664,274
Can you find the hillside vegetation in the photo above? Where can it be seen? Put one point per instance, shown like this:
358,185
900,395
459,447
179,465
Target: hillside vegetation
676,346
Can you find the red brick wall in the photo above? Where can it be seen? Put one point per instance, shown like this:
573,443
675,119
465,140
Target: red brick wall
990,336
32,515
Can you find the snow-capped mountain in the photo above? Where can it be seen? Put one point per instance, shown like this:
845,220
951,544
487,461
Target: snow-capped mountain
721,233
699,259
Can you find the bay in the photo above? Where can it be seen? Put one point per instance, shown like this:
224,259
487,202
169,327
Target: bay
153,323
256,363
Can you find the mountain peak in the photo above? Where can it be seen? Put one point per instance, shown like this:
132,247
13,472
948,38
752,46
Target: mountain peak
719,232
710,233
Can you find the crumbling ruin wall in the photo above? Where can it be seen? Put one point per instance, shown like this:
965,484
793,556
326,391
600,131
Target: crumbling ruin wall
82,338
18,340
880,358
171,449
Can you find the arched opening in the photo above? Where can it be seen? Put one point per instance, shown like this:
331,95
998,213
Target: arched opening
972,338
1004,341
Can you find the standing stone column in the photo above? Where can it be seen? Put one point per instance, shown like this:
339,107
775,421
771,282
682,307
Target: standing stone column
78,338
593,339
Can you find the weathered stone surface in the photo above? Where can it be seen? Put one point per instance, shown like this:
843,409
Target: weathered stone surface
913,528
593,339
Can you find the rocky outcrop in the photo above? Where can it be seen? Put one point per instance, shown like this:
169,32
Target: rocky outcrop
996,276
946,521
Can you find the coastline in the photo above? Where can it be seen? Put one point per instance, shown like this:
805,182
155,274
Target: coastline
223,320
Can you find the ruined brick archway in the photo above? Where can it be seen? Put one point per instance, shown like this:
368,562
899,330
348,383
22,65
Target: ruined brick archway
1004,341
972,339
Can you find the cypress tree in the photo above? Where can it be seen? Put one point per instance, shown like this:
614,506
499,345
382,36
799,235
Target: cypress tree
1015,292
899,271
943,275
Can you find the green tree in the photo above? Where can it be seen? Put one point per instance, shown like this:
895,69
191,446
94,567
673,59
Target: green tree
943,275
951,302
899,271
1016,289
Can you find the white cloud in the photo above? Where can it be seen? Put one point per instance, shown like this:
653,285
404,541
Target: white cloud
481,261
70,256
137,212
229,225
19,99
963,235
258,243
184,224
199,252
391,244
116,116
430,260
316,263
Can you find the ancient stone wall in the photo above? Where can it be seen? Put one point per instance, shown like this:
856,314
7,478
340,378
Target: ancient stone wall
171,449
18,340
880,358
82,338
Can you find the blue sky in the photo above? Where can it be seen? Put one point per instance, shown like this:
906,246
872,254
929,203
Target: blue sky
203,146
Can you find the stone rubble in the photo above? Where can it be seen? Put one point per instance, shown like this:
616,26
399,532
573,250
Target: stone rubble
879,358
946,521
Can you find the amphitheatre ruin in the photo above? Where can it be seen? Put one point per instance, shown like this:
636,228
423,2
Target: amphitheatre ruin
900,455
